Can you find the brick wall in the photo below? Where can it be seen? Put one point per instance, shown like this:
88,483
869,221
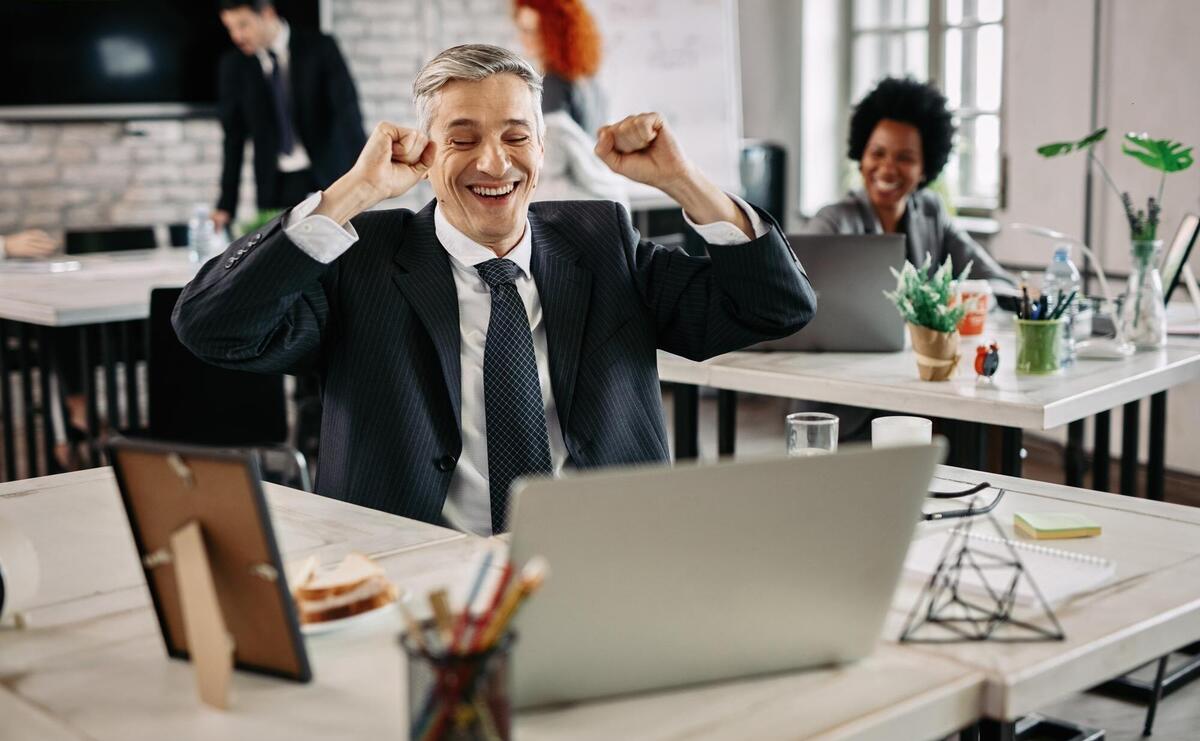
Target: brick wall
78,175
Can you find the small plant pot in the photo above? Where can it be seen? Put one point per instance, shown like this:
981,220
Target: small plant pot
937,352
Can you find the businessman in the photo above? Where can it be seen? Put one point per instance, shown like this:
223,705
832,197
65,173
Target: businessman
288,91
484,338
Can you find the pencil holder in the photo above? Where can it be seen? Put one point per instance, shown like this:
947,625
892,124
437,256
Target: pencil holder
1038,343
459,697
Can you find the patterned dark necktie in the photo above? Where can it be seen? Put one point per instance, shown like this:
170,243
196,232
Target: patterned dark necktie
517,441
283,115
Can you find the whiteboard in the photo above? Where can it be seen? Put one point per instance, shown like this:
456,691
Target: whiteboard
679,58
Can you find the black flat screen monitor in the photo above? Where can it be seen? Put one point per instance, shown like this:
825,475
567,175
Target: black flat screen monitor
98,59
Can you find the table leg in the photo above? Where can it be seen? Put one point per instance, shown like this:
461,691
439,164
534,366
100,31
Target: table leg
1100,445
726,422
687,421
1157,462
129,356
90,397
25,363
108,360
1073,455
1010,451
1129,448
6,408
46,367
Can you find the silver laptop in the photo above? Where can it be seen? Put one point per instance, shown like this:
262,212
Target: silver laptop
849,273
661,577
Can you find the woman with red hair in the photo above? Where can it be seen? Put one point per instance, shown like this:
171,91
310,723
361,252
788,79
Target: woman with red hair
562,38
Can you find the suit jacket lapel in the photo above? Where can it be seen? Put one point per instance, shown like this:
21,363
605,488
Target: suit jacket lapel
423,275
565,288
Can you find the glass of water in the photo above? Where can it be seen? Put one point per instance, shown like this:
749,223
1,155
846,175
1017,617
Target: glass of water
811,433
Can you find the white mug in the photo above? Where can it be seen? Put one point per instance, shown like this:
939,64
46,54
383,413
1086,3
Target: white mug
888,432
19,572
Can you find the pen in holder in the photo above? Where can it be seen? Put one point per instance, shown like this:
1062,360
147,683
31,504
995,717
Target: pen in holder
1038,342
458,696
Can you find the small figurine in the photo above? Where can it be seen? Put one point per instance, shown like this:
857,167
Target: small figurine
987,360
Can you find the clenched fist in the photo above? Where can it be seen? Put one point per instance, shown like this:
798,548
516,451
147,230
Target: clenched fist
642,148
393,160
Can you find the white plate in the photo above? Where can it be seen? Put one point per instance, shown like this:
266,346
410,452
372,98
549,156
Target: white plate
362,619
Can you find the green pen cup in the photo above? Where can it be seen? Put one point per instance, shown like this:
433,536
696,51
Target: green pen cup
1038,342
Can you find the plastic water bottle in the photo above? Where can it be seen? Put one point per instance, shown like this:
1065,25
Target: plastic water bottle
202,234
1058,282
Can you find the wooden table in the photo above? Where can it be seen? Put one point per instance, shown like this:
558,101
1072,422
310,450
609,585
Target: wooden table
91,663
1013,402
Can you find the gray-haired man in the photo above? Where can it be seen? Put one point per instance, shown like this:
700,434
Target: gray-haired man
483,338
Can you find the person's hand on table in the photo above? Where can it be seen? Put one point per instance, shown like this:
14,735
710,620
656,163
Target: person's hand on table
29,243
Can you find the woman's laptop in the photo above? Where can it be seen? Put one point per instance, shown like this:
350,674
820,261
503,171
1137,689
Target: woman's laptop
661,577
849,273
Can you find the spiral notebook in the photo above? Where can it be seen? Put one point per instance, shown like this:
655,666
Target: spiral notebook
1059,574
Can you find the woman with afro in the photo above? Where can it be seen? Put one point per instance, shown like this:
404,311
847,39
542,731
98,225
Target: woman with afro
900,135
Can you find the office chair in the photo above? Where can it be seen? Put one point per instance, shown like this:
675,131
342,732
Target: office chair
116,239
193,402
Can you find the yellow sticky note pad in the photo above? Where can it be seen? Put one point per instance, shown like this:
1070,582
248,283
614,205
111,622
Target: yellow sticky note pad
1053,525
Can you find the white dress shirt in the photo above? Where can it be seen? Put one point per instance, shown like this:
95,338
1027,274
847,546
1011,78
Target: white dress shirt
323,240
297,159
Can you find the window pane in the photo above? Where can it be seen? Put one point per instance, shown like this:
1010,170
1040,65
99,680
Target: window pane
954,12
866,13
877,13
869,64
917,13
986,160
990,11
916,54
952,74
989,58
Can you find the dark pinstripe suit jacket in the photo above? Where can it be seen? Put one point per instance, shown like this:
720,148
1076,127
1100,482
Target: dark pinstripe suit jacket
380,324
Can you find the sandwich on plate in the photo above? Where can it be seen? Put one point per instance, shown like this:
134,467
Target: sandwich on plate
354,586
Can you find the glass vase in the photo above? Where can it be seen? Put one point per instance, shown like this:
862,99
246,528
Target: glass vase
1143,314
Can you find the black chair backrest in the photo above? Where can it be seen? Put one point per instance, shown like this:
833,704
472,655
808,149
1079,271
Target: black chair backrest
82,242
764,177
178,234
194,402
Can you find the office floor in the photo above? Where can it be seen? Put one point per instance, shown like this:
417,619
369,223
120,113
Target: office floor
760,432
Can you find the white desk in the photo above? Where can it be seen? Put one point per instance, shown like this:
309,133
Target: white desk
109,287
889,381
91,665
35,309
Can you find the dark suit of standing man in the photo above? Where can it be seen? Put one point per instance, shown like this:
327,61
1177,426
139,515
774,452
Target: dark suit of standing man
433,394
288,90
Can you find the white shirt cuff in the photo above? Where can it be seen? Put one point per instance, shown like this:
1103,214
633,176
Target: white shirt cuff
725,233
318,236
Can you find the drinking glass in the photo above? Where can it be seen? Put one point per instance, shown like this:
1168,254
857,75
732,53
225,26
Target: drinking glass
887,432
811,433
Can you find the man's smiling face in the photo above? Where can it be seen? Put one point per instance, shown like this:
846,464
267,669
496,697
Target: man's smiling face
488,156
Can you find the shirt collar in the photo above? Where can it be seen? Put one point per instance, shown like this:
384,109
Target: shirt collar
467,253
279,45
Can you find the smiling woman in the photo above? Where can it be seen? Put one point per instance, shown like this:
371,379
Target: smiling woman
901,135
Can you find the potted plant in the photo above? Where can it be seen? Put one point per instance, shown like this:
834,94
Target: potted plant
1143,316
928,301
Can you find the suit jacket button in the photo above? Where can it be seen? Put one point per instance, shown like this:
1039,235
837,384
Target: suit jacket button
446,463
230,262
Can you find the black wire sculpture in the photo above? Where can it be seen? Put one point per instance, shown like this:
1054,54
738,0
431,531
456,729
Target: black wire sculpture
945,612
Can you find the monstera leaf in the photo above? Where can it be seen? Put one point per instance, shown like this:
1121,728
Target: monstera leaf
1055,149
1163,155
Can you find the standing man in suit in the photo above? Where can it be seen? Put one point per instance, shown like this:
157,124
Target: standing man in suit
289,91
483,338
